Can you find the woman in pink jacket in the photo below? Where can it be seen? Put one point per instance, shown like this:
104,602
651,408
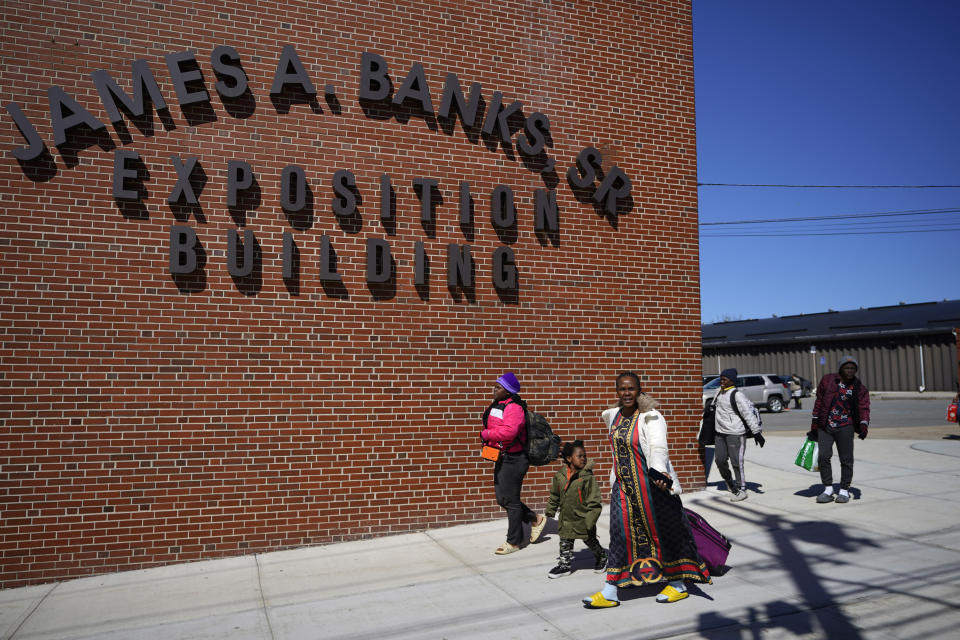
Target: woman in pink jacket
504,427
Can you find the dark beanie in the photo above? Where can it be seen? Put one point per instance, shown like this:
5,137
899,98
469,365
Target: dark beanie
730,373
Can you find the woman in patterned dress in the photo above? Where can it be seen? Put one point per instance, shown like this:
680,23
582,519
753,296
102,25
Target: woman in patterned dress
650,538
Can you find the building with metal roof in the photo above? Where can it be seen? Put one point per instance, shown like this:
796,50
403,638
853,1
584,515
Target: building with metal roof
904,347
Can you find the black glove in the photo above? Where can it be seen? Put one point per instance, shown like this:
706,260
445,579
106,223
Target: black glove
812,435
862,433
759,439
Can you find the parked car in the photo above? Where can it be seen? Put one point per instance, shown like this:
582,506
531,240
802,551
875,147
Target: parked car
805,385
785,381
762,389
707,379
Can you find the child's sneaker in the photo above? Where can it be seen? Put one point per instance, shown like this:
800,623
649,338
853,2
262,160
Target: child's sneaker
559,571
600,564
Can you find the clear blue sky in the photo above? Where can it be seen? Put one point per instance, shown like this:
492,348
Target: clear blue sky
822,92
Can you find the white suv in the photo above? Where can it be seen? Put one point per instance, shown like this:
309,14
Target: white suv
762,389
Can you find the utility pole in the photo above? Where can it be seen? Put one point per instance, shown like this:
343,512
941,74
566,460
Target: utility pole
923,381
813,365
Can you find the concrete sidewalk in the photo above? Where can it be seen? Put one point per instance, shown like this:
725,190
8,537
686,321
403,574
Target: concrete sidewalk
885,565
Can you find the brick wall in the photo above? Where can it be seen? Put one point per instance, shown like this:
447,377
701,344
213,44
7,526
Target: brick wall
151,416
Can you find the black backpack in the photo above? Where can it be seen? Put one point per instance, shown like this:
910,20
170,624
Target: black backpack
707,434
736,409
542,446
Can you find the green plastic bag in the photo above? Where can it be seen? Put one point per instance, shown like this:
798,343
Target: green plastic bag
808,455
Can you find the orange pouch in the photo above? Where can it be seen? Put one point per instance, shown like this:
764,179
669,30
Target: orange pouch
490,453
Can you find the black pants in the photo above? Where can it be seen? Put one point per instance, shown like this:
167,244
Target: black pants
508,476
844,439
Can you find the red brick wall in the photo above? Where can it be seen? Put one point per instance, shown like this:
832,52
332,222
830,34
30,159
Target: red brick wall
149,418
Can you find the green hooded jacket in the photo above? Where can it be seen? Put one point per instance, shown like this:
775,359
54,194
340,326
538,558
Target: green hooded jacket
577,500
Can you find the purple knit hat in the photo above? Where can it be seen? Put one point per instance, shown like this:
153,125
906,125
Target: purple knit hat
509,382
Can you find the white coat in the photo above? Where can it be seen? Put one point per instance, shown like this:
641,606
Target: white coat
727,421
652,434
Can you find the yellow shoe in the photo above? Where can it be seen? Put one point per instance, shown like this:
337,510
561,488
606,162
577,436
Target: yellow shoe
597,601
506,548
669,594
536,529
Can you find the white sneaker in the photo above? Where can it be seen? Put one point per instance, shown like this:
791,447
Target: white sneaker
738,496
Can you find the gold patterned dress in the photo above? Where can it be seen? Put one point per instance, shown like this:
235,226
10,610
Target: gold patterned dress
650,538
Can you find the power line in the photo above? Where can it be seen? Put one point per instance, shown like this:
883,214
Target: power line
790,234
826,225
849,216
832,186
874,224
925,221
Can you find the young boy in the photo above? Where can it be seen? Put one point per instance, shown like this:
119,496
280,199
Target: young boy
576,496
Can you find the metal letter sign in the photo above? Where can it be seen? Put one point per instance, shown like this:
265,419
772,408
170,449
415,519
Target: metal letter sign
183,252
504,269
35,146
290,71
66,113
379,262
110,92
123,172
499,119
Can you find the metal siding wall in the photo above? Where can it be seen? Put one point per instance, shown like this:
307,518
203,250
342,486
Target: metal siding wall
910,380
898,364
941,368
950,364
948,375
930,366
886,364
893,362
882,362
868,363
888,358
882,359
880,356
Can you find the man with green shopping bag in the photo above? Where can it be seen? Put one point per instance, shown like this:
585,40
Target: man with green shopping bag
841,410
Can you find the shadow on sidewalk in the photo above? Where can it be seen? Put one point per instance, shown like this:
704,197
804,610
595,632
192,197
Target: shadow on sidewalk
817,612
816,489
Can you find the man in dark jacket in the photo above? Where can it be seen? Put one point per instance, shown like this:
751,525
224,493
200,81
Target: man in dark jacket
842,408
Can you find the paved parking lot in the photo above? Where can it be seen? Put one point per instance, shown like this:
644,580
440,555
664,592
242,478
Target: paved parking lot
918,417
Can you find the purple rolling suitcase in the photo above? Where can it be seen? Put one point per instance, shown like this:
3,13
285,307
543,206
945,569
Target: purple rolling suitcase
711,544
